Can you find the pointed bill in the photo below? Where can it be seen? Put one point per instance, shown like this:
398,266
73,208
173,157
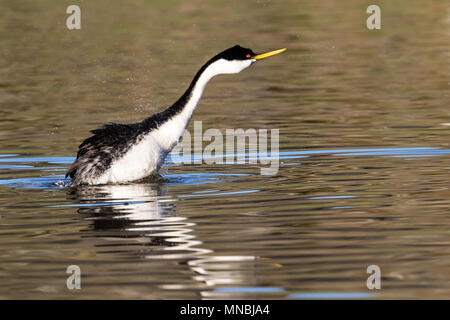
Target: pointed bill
268,54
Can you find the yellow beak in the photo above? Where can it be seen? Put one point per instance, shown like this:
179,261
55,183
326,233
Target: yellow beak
268,54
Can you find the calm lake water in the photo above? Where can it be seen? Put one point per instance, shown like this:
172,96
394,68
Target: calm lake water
364,124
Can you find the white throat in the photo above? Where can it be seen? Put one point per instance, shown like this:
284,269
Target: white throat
171,131
220,66
181,121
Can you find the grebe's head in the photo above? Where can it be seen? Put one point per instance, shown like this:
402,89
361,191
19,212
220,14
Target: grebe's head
237,58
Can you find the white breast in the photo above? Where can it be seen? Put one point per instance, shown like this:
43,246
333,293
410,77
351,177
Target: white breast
139,162
148,155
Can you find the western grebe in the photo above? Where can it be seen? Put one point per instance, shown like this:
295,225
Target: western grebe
119,153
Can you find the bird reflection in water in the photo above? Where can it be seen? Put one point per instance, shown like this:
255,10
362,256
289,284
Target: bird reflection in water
142,212
140,220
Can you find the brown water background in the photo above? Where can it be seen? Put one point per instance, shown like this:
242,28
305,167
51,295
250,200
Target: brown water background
364,124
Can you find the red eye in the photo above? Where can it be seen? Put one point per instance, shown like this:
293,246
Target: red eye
248,55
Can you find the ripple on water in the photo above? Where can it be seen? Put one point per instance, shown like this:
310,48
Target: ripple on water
14,162
311,229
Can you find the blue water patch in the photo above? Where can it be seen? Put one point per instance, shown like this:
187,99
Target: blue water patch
14,162
331,295
9,155
330,197
47,182
290,164
285,155
52,160
58,181
386,151
15,167
233,158
418,152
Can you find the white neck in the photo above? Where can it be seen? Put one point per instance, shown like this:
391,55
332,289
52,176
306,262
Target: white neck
173,129
220,66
